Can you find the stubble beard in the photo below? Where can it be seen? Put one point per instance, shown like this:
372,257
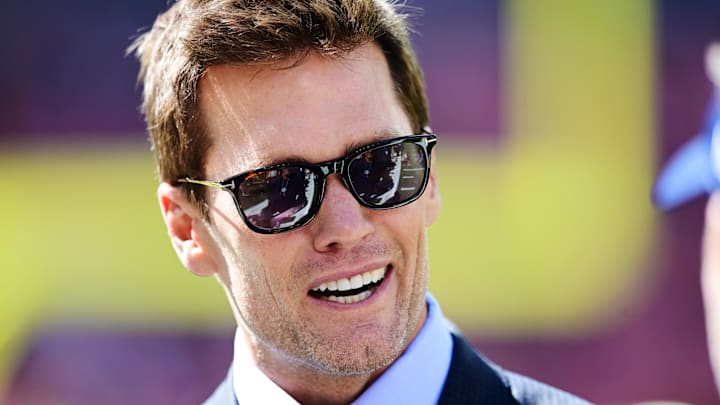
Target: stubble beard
355,355
299,344
340,356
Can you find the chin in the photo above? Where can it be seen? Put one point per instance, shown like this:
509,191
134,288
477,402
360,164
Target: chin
357,361
362,351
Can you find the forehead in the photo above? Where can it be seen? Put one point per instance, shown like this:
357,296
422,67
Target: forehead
314,111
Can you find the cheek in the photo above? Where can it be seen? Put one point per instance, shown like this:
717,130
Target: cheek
259,265
408,222
405,227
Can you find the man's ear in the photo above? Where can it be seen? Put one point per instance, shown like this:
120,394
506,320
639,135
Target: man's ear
188,231
433,194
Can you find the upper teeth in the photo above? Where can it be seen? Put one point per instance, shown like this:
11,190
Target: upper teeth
353,282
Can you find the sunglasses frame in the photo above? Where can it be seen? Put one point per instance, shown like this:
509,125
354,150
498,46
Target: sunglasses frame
426,141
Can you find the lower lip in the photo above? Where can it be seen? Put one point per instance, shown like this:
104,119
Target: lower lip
368,301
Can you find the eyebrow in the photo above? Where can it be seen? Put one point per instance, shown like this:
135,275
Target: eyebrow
377,136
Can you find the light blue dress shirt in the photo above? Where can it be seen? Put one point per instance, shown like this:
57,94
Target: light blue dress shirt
416,377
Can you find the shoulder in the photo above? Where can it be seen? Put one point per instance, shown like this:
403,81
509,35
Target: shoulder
474,379
223,394
529,391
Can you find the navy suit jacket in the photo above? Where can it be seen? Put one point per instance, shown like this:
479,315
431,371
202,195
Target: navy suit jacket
472,379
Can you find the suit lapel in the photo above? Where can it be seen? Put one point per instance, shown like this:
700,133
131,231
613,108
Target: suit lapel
471,380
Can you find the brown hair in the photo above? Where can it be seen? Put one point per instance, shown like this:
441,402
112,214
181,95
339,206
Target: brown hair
195,34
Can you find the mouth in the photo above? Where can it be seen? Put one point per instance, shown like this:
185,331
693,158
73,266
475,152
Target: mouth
351,290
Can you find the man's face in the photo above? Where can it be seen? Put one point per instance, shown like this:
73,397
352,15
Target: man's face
316,111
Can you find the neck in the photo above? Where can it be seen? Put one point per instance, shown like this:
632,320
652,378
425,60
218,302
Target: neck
313,387
307,384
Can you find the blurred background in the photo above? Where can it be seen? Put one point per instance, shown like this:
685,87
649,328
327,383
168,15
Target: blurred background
553,116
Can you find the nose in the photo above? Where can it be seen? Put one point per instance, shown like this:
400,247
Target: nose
341,222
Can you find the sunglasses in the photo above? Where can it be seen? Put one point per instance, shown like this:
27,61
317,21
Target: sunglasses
283,197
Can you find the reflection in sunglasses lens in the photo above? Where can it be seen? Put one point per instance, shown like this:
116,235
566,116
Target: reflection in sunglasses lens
277,199
388,175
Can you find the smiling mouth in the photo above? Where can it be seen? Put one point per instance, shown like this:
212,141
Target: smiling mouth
350,290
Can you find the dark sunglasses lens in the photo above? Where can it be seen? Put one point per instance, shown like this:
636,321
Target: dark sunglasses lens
389,175
277,199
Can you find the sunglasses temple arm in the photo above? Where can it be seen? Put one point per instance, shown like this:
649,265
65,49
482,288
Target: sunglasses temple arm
211,184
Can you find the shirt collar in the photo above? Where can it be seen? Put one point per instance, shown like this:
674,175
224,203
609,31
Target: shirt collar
252,386
416,377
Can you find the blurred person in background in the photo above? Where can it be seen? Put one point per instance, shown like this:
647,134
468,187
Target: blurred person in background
711,280
330,295
693,171
711,242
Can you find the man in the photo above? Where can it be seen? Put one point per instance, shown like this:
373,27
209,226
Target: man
331,301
